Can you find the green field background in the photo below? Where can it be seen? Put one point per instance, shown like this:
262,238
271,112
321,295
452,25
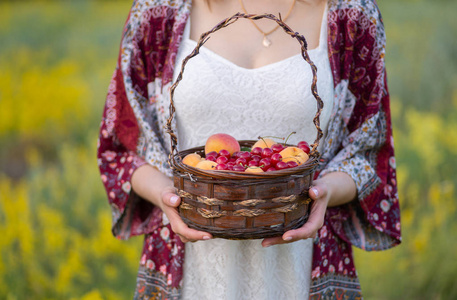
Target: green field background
56,60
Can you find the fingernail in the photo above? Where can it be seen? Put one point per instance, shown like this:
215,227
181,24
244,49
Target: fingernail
289,238
174,200
315,191
205,237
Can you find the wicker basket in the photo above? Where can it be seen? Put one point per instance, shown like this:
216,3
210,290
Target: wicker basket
237,205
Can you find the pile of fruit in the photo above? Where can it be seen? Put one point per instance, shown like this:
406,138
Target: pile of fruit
223,153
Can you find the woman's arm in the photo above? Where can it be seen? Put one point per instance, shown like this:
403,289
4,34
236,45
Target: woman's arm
333,189
157,188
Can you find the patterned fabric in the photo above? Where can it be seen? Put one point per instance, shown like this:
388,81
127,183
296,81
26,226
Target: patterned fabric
359,142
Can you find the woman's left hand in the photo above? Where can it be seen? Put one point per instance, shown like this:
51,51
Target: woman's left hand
332,189
320,193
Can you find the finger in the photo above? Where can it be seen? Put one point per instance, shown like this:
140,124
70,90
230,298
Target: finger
183,239
317,192
267,242
171,199
179,227
310,228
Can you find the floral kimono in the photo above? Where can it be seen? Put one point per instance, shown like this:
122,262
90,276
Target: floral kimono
359,142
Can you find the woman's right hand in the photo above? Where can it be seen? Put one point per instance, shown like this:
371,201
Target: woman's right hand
162,194
170,202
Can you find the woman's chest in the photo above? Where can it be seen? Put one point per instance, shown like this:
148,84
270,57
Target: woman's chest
242,42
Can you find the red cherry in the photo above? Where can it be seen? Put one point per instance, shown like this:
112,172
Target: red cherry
304,146
222,160
245,154
277,148
235,154
292,164
211,157
230,164
238,168
256,157
225,153
253,163
275,158
270,169
281,165
212,153
265,163
241,161
222,167
256,151
267,152
232,159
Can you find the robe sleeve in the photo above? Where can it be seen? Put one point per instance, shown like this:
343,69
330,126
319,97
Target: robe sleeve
121,128
366,151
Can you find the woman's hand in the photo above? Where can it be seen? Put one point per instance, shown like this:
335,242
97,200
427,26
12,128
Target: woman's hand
320,196
158,189
170,202
331,190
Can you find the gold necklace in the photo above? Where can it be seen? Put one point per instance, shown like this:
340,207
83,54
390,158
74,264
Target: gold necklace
266,42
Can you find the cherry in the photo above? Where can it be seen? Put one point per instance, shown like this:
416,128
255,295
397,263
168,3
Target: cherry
212,153
235,154
211,157
277,148
222,159
256,151
275,158
232,159
241,161
265,163
253,163
270,169
256,157
292,164
224,153
245,154
304,146
267,152
281,165
238,168
222,167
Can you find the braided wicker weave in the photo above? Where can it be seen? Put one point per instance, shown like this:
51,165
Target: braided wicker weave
237,205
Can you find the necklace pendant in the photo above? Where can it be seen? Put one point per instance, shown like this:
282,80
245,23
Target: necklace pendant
266,42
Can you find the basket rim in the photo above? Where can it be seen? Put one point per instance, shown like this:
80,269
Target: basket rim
182,169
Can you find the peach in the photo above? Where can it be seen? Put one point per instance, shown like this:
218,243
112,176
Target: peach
206,165
219,141
264,143
192,159
295,154
254,170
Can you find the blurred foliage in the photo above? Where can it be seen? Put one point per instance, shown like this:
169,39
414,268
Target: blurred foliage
57,58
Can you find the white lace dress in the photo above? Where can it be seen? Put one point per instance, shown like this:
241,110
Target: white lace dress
216,95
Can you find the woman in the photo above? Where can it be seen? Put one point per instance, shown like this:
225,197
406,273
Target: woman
354,193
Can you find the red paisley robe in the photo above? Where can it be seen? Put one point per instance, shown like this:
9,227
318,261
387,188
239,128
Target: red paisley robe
359,142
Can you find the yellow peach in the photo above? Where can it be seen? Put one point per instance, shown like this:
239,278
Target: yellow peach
219,141
206,165
264,143
192,159
254,170
294,153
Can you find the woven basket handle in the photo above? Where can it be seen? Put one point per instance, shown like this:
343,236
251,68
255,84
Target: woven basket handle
224,23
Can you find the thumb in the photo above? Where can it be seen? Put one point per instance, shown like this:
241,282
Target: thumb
317,191
171,199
